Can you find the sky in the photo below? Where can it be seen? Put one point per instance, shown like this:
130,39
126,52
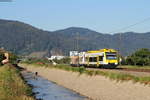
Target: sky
105,16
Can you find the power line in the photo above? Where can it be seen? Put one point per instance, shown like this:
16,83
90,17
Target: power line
124,28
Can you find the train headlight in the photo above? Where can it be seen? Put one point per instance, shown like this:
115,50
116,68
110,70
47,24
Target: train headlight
116,63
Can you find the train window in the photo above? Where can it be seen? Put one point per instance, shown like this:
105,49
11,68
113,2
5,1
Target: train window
112,57
90,59
100,58
93,59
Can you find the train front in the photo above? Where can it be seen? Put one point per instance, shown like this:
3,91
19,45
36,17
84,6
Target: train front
111,58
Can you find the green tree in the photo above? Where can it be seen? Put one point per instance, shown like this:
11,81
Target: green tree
140,57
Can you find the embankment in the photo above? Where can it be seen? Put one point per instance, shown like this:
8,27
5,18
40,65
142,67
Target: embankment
95,87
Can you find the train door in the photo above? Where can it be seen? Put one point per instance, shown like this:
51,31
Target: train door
101,58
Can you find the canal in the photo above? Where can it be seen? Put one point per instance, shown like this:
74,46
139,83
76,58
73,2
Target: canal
47,90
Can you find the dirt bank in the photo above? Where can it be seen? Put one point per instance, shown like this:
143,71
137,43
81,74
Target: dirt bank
95,87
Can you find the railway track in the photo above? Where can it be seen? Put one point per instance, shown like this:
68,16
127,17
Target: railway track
135,69
122,69
135,72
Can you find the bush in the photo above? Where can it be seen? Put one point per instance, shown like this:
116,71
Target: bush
65,60
13,58
36,61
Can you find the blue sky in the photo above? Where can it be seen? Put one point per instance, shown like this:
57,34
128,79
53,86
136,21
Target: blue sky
100,15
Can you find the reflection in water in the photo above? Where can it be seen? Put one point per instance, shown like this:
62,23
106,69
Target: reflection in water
47,90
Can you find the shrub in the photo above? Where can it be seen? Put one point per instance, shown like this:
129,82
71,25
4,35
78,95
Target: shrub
65,60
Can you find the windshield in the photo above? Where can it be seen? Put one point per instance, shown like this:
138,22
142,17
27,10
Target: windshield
111,55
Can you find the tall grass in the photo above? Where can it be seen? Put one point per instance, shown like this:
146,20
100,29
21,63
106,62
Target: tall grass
12,87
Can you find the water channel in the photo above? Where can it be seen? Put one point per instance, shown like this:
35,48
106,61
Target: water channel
47,90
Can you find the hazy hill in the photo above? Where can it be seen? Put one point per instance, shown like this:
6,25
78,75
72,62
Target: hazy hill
88,39
22,38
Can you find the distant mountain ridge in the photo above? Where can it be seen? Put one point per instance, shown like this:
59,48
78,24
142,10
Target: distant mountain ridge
25,39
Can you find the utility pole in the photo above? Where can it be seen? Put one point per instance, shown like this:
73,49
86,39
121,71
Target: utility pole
77,46
120,47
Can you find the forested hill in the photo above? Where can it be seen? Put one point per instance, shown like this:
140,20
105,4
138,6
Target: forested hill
22,38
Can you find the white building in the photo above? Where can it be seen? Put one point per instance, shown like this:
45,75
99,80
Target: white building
56,57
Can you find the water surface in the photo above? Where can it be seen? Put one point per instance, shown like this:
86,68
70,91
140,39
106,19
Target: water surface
47,90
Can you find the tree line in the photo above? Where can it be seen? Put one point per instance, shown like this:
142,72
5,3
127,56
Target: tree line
140,57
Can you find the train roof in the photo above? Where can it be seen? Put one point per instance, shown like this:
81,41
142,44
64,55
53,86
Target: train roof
102,50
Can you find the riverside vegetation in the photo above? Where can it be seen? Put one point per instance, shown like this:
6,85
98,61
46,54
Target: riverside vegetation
12,86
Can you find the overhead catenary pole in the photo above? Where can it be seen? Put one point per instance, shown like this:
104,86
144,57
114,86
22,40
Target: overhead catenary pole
77,46
120,47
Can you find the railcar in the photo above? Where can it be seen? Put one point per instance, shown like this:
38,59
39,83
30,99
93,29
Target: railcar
107,58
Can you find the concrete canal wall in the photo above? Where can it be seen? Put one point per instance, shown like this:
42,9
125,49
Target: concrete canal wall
95,87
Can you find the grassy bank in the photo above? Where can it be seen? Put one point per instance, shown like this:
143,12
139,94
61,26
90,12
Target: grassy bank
110,75
12,87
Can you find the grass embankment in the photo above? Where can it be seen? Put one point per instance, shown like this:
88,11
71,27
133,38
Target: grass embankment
12,86
110,75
